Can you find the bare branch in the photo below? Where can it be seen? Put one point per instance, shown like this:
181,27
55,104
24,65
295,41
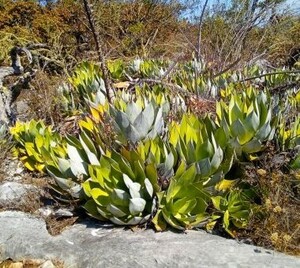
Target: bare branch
103,66
200,31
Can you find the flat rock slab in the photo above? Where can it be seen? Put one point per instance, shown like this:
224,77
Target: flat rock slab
92,245
14,194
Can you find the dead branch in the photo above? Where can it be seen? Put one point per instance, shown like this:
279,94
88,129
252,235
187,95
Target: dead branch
8,94
97,40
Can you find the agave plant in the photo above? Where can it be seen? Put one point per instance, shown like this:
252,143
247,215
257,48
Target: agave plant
36,144
121,191
87,87
184,204
248,120
138,120
147,68
201,142
72,169
235,207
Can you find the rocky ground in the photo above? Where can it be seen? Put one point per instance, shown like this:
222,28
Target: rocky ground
35,232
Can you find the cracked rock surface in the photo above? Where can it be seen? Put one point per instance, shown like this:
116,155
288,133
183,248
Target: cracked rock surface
14,192
94,245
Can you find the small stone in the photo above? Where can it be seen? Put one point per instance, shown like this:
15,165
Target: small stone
63,213
44,212
19,170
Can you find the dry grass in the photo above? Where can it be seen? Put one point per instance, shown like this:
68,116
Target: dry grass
56,225
277,223
42,98
280,226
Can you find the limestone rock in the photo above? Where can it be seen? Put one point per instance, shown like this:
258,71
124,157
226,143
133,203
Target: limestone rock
90,244
15,195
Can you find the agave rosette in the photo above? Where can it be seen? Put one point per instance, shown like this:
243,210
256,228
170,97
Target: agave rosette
235,207
121,191
137,120
184,204
72,169
248,120
201,142
36,144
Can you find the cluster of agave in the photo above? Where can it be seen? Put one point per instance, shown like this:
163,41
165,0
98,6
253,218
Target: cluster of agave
155,169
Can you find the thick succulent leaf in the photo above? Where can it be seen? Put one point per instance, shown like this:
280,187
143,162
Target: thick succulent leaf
252,121
221,137
139,172
264,132
205,150
133,134
39,141
151,173
122,163
136,206
63,165
239,130
134,187
144,121
219,202
89,148
78,168
131,221
159,222
67,185
122,120
170,161
98,193
183,206
171,220
137,220
217,159
204,167
132,111
31,151
29,163
75,190
188,176
252,146
87,187
115,211
158,125
75,151
235,112
117,221
91,208
120,197
149,187
228,160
